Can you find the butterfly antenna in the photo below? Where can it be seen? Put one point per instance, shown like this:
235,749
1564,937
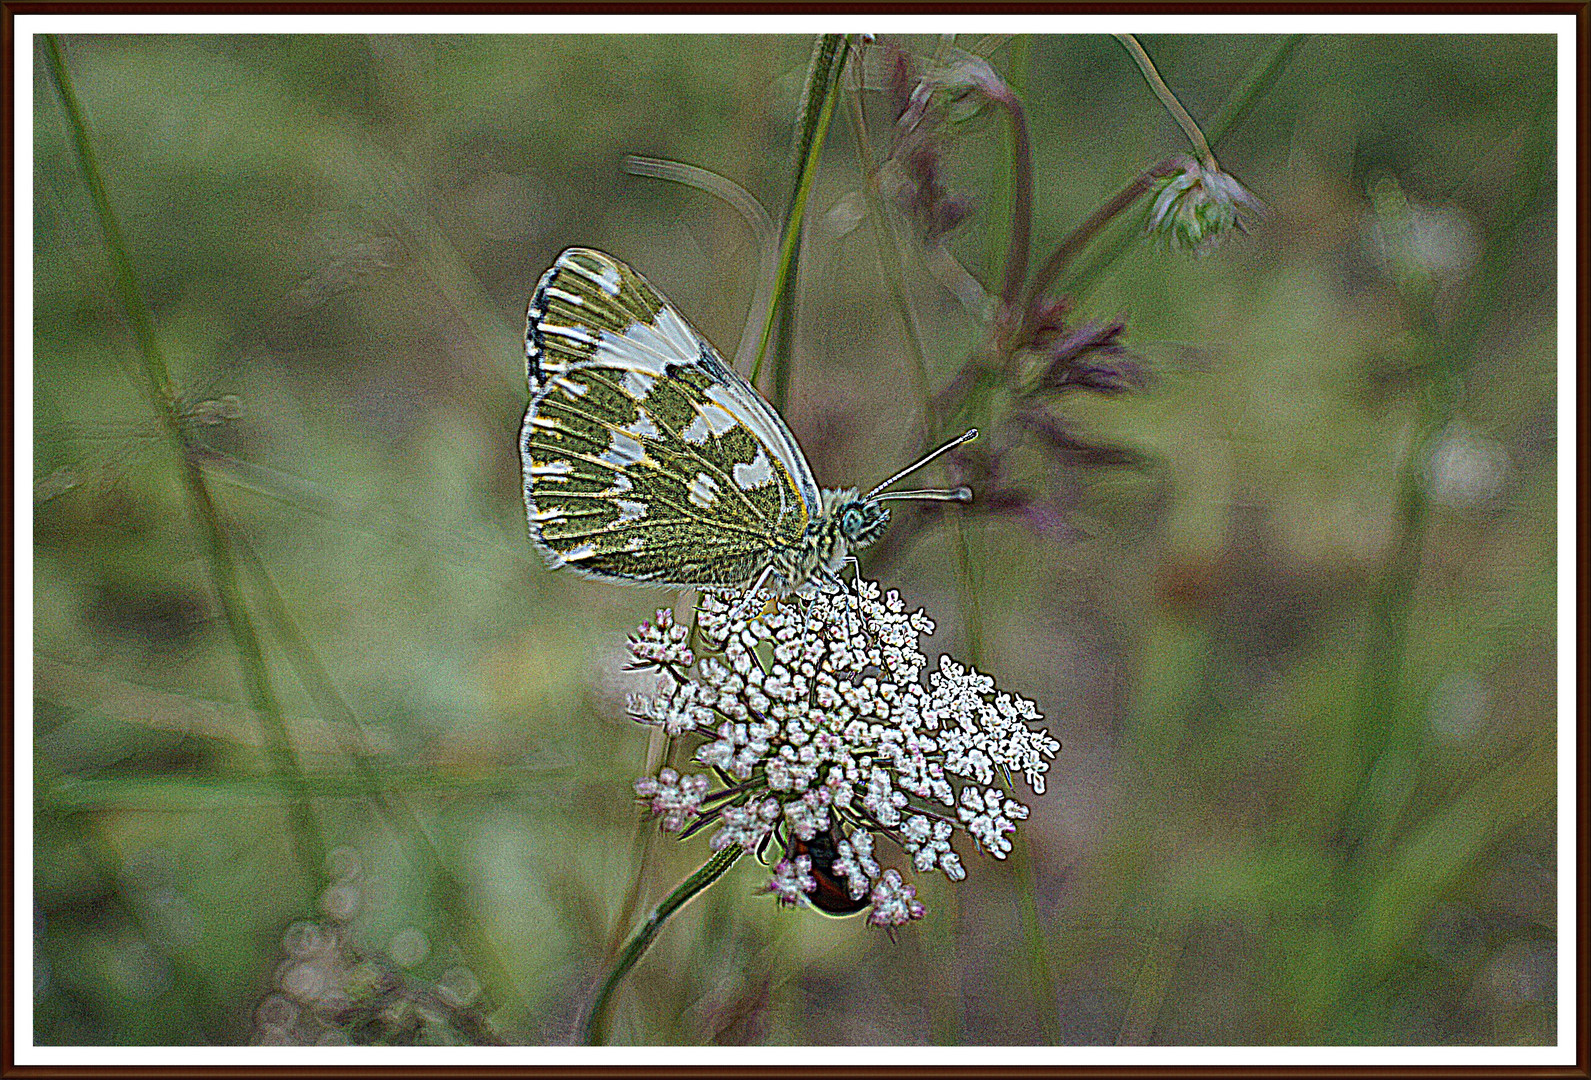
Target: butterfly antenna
958,495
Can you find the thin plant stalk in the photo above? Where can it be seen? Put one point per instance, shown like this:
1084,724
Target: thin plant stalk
317,681
999,223
593,1031
1041,970
645,841
309,845
1253,87
1021,239
817,110
214,792
1387,736
1168,99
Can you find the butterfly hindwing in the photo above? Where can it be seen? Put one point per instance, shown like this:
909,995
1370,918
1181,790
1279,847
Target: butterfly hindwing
646,457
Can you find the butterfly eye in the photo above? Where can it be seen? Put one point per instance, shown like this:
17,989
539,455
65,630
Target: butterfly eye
851,521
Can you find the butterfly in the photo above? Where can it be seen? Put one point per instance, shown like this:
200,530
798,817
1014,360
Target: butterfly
647,459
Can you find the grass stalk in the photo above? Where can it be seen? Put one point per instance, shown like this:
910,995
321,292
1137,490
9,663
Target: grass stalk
891,258
643,844
817,110
309,845
1041,969
400,817
1080,237
999,219
1387,729
1254,86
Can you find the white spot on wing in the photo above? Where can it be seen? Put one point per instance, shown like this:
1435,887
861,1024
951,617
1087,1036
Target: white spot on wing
547,515
643,427
696,431
621,484
637,384
573,333
607,277
653,347
584,551
570,387
551,468
709,420
760,471
623,450
629,510
566,297
703,489
634,543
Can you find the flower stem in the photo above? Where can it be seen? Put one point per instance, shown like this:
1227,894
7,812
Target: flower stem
1168,99
1090,228
594,1030
1261,77
1388,731
1001,196
1016,252
1041,972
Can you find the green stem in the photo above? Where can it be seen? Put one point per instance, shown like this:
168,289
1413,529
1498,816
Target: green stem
1016,252
1168,99
228,791
1040,968
1252,88
644,841
1388,732
1000,194
817,110
311,847
594,1030
971,612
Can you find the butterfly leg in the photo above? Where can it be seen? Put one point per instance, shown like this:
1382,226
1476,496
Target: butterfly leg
837,583
856,589
746,600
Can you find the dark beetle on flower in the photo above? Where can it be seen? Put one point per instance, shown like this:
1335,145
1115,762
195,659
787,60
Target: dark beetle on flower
832,896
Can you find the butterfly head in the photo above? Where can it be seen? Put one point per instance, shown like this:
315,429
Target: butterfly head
861,521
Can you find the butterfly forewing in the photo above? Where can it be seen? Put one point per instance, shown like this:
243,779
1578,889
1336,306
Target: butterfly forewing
646,457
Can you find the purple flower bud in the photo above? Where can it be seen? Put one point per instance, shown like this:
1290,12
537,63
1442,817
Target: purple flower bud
1090,357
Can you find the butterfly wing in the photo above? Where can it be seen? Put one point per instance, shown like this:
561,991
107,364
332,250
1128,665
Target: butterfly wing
646,457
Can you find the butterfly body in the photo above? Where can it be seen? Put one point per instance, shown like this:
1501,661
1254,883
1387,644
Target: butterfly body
649,460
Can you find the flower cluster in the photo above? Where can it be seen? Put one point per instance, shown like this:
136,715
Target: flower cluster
821,731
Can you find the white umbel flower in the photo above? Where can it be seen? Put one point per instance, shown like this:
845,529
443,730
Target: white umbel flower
823,716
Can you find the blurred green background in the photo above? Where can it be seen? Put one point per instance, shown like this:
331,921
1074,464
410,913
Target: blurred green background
1259,830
